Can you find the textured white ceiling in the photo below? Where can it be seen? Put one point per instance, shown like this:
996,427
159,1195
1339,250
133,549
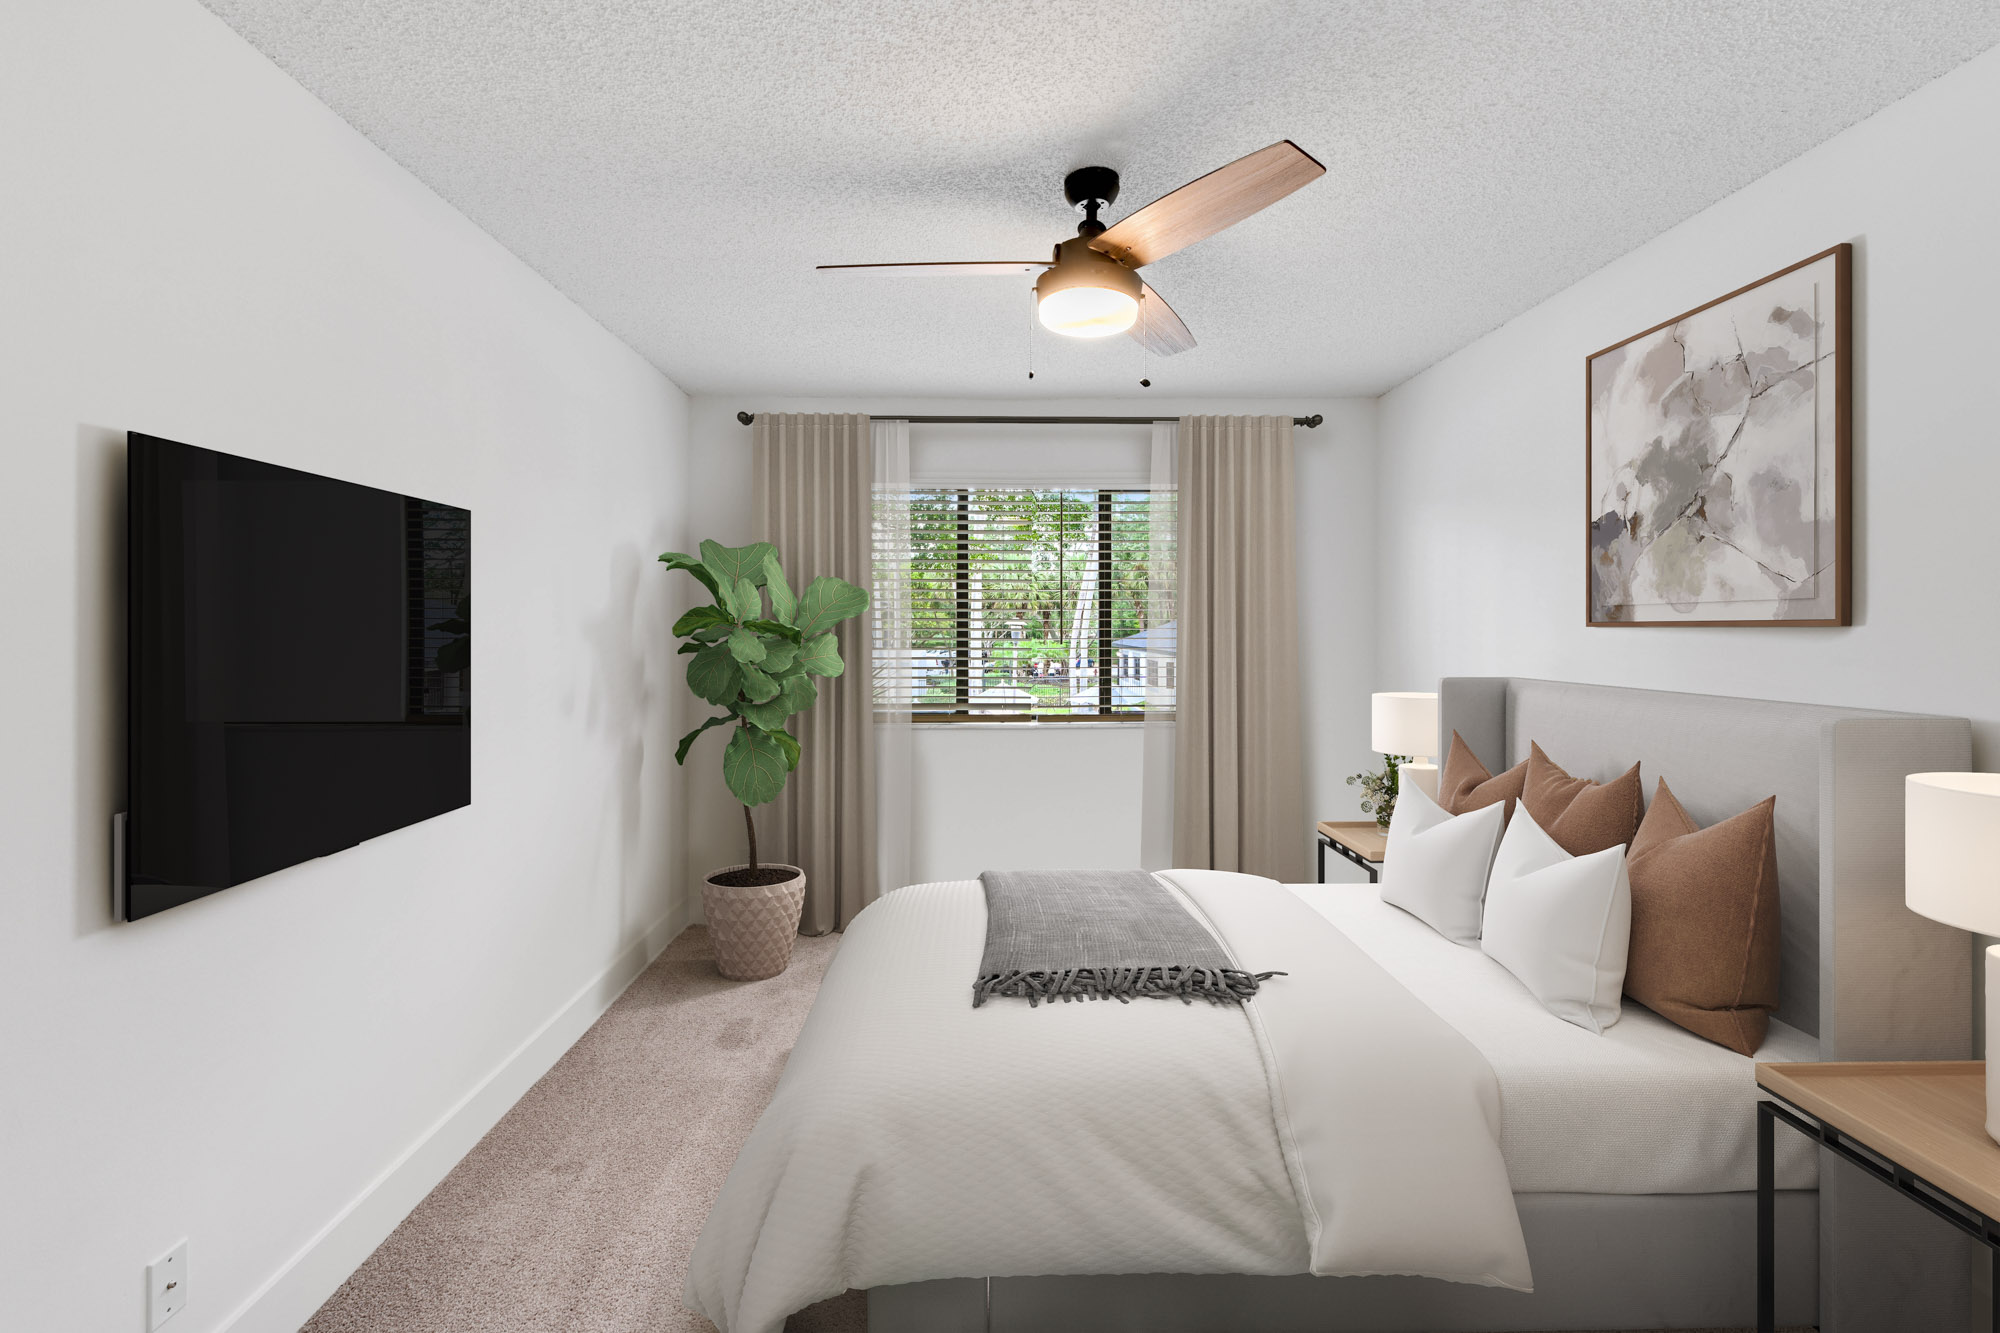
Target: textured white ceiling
678,168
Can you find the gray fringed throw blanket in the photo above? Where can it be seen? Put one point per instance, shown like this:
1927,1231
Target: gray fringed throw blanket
1096,935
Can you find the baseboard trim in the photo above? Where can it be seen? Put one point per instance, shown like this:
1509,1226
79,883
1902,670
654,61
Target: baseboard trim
291,1295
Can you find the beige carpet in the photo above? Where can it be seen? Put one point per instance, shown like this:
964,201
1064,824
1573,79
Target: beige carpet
577,1212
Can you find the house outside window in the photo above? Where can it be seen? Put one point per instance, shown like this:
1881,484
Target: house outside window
1145,665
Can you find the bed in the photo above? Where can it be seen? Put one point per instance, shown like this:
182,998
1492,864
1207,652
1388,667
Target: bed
1019,1175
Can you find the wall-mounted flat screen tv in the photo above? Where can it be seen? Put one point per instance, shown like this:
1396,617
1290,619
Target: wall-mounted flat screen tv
298,669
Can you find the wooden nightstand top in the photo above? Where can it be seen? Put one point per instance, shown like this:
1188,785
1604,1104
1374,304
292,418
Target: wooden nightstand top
1928,1116
1364,837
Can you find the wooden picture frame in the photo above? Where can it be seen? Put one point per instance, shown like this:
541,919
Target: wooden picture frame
1717,484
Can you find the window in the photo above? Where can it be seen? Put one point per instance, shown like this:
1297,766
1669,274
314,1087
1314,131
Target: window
1017,604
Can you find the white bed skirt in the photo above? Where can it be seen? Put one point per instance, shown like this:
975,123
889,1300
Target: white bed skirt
1602,1261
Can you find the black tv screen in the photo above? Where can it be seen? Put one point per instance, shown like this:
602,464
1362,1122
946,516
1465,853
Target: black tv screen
299,668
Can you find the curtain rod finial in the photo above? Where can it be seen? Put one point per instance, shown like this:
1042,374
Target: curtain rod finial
1312,422
746,418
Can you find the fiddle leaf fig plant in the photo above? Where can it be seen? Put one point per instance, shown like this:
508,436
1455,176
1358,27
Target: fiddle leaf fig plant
756,662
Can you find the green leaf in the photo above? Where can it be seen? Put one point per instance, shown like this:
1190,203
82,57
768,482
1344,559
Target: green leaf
730,563
692,646
713,633
827,602
768,716
795,694
783,631
758,687
783,604
790,744
681,560
755,765
457,655
779,657
700,618
798,694
745,602
714,675
746,646
821,656
687,741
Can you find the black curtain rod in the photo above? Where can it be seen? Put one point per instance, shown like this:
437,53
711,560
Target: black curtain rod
1308,422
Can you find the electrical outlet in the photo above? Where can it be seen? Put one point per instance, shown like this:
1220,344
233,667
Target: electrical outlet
166,1286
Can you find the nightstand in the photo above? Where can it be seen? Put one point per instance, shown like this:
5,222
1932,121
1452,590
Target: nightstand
1922,1124
1363,842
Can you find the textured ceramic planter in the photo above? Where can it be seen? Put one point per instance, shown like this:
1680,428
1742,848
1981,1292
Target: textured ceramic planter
753,926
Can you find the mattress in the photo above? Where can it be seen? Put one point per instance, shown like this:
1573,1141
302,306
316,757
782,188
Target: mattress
1646,1108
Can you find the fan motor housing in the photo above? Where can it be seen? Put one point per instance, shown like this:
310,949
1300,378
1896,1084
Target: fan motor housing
1077,265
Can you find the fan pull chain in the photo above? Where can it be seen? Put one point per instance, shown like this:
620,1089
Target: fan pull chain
1145,352
1031,333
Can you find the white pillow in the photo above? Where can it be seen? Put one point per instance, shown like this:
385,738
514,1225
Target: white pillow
1560,923
1435,866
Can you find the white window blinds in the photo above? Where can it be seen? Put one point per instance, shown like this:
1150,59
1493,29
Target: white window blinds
1022,603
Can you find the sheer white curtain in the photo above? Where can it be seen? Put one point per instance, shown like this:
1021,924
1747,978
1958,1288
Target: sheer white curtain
1086,459
895,680
1156,792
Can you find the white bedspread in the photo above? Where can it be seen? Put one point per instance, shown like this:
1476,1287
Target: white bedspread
914,1137
1647,1108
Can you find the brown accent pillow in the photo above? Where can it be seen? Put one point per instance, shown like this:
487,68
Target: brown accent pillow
1704,948
1465,785
1581,815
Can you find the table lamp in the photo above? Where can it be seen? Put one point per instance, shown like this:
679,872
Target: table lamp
1406,723
1951,873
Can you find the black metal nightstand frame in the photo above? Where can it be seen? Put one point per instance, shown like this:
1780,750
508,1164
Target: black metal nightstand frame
1905,1182
1373,868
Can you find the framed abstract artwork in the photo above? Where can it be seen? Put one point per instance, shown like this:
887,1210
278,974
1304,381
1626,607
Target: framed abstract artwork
1716,466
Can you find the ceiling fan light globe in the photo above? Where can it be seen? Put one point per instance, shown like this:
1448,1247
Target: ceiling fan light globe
1088,312
1087,294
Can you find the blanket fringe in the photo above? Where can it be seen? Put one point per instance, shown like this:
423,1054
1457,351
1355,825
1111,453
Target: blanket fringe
1187,984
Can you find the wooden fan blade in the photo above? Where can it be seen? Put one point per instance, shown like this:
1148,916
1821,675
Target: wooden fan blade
947,269
1159,328
1222,198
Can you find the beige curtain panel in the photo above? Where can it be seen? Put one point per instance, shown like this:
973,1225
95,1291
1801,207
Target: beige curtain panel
814,482
1239,766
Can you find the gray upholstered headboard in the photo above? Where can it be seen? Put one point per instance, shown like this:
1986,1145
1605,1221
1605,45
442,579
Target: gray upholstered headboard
1868,977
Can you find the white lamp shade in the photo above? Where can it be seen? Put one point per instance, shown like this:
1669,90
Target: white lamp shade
1951,849
1403,723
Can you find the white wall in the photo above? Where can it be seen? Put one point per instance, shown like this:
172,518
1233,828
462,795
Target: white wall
1481,454
1009,796
978,785
194,247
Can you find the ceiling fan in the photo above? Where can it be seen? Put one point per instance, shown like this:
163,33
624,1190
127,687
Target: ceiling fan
1090,286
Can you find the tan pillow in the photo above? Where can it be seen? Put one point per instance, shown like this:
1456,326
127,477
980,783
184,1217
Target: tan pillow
1465,785
1581,815
1705,921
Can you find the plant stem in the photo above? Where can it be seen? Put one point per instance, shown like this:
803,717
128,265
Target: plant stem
751,826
